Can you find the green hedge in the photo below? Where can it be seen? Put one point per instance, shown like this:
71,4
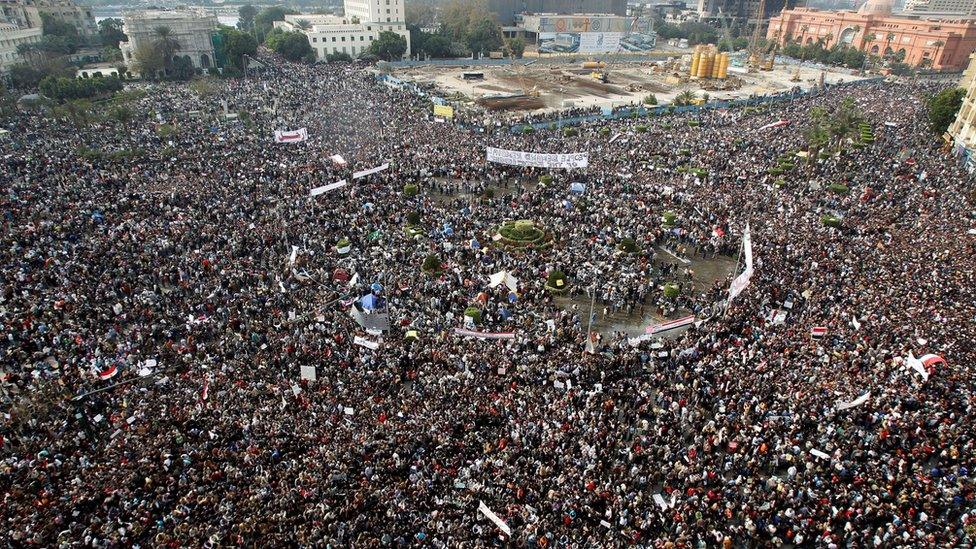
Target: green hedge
553,285
413,219
528,129
432,264
629,245
671,290
641,129
839,188
670,218
545,179
830,221
411,190
570,132
474,313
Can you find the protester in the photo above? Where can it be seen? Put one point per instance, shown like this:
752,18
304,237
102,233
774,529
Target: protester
156,322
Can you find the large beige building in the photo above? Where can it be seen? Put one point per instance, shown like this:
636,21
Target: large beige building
11,36
81,17
962,132
193,29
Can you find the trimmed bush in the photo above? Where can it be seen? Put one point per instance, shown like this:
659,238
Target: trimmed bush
413,219
684,152
650,99
528,129
838,188
557,282
523,233
780,183
830,221
343,247
701,173
641,129
669,218
431,265
629,245
413,232
474,313
411,190
604,131
671,290
570,132
545,179
489,193
694,123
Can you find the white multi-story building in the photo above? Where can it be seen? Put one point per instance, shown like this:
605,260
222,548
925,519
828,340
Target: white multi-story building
11,36
376,11
329,34
193,29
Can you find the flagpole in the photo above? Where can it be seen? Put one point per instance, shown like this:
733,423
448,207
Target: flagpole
589,325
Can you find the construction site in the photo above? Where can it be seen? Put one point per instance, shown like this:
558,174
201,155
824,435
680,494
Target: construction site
540,85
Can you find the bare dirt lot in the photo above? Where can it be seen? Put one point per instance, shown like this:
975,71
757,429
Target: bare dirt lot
563,84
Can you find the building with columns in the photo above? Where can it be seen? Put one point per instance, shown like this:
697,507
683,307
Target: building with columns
939,44
193,29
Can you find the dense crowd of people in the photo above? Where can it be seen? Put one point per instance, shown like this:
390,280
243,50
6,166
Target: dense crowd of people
165,291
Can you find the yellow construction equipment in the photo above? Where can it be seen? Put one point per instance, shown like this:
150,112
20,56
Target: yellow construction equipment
756,57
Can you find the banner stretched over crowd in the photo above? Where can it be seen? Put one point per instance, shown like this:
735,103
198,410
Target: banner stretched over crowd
538,160
295,136
370,171
484,335
326,188
742,281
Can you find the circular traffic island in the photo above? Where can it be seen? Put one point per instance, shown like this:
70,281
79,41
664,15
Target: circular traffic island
523,234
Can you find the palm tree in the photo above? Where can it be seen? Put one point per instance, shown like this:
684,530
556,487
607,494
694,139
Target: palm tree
166,44
938,45
685,98
303,24
889,38
867,40
827,40
803,33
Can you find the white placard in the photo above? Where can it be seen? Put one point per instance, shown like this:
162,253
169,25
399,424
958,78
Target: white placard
363,342
308,372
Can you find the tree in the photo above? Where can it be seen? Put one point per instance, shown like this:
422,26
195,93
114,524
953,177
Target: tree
888,39
293,46
110,32
938,46
685,98
422,15
166,45
264,21
484,35
303,24
517,47
389,46
236,45
943,107
149,61
56,27
338,57
182,68
245,17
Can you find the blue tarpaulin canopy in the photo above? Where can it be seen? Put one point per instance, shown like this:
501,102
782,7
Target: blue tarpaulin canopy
577,187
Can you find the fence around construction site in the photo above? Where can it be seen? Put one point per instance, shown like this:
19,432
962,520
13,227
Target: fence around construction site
659,110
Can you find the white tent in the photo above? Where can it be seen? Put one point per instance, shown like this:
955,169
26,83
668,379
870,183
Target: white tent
503,277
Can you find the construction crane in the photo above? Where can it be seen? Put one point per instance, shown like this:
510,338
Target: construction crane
756,56
611,58
520,74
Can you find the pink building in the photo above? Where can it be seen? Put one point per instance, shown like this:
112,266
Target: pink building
942,44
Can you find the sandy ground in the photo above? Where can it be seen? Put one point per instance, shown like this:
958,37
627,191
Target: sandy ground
564,85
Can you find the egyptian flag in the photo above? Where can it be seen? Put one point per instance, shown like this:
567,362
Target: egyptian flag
109,372
818,332
929,361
